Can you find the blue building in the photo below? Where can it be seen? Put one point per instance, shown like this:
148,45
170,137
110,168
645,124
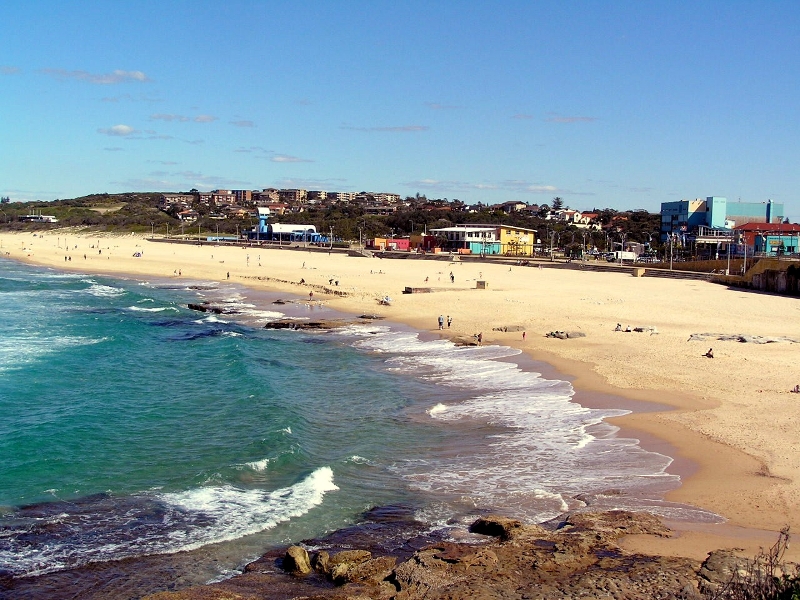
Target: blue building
684,217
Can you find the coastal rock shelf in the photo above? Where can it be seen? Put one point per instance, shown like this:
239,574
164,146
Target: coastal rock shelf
580,559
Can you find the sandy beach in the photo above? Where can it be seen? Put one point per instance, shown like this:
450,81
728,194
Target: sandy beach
734,430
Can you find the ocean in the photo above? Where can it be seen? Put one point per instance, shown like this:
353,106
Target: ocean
135,427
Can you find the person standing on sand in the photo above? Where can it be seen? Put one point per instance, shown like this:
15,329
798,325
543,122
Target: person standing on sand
310,296
441,321
524,333
449,321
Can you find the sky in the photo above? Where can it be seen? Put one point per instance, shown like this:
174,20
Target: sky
621,105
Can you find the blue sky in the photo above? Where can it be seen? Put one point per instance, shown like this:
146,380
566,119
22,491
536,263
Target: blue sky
605,104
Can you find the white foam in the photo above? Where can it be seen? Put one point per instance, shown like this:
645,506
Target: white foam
19,350
258,465
543,448
190,519
155,309
104,291
236,512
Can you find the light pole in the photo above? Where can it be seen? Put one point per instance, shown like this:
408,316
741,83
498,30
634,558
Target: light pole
152,229
670,250
552,237
360,245
331,238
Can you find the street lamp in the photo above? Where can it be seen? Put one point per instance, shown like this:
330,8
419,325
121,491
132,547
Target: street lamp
331,237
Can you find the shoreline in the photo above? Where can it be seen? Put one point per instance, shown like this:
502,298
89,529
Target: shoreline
737,485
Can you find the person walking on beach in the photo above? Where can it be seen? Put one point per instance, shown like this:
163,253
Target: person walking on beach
449,321
441,321
452,277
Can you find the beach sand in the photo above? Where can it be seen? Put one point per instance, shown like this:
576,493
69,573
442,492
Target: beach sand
734,430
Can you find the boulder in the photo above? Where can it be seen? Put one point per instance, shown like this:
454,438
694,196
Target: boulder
496,526
296,561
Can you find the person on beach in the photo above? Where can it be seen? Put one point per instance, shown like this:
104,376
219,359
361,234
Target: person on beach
441,321
449,321
480,338
452,277
710,353
310,296
524,335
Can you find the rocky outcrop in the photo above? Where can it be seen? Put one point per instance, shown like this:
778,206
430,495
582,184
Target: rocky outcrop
218,309
565,335
317,324
579,559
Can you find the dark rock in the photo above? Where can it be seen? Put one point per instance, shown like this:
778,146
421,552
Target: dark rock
496,526
304,325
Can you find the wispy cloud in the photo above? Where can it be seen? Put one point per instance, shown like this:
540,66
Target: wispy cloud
7,70
131,98
181,180
118,130
243,123
564,119
253,149
313,184
182,118
113,149
285,158
398,129
271,155
163,162
437,106
512,185
117,76
169,118
522,116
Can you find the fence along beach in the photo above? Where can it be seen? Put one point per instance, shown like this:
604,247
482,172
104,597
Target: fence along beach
734,426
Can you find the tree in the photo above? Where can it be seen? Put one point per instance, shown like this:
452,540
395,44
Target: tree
558,203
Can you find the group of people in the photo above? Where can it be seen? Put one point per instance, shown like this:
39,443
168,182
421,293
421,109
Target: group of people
442,321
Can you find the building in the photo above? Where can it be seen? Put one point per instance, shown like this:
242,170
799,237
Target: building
684,217
344,197
488,239
770,239
292,196
167,201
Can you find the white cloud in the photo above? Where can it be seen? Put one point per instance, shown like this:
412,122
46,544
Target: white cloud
522,116
204,118
6,70
285,158
243,123
118,130
116,76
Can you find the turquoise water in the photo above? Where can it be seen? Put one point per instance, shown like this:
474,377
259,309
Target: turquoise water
132,425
